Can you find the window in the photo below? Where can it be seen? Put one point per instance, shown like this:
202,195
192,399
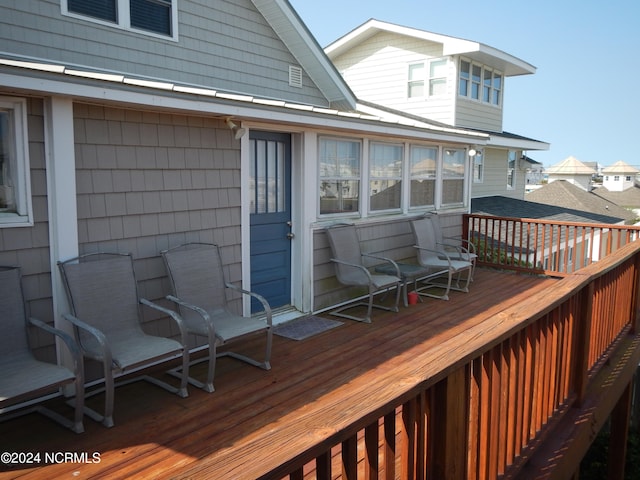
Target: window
511,169
616,178
15,196
476,72
415,86
628,178
465,78
423,163
453,161
155,16
438,77
479,83
478,167
385,176
339,175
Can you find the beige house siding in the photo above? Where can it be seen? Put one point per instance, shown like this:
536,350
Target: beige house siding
148,181
385,57
28,247
475,114
495,176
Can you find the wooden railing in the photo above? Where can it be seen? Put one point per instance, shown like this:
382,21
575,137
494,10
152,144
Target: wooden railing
477,406
543,246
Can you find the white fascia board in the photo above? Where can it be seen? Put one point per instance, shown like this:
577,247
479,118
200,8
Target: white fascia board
248,110
517,143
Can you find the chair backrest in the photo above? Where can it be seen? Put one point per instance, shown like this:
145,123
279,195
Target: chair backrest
345,246
196,274
424,236
12,312
103,292
437,228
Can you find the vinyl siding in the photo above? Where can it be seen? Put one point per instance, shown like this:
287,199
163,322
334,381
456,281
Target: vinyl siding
224,45
385,57
495,177
475,114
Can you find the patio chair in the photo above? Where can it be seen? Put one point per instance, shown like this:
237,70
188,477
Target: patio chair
457,248
350,270
432,256
26,382
200,291
106,318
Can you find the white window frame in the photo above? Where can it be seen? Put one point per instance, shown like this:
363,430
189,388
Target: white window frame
19,165
361,178
477,162
416,81
124,21
493,95
436,80
422,177
512,156
372,177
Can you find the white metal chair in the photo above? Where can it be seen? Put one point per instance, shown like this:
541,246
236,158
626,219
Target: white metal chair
351,271
438,261
26,382
200,291
106,317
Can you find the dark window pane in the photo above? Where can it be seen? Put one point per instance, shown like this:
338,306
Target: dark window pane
152,15
102,9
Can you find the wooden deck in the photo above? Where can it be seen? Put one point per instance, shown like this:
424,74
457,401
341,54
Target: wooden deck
158,435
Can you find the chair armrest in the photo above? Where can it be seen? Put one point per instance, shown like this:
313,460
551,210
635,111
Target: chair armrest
206,318
265,305
348,264
467,245
386,259
174,315
72,346
97,334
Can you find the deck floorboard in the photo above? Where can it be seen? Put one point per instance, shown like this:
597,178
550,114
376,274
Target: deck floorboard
159,435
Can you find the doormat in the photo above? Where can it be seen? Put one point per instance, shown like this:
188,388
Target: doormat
305,327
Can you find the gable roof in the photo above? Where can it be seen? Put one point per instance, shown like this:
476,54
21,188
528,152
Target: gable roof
629,198
304,47
570,166
508,64
620,167
565,195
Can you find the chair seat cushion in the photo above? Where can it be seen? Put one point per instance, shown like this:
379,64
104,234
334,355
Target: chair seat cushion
22,374
227,325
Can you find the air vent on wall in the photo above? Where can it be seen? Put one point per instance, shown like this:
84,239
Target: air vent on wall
295,76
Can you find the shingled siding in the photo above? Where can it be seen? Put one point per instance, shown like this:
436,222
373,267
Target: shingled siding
28,247
148,181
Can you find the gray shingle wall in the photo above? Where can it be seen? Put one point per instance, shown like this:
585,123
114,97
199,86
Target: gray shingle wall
225,45
150,181
28,247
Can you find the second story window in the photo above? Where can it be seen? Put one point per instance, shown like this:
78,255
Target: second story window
479,83
415,87
155,16
438,77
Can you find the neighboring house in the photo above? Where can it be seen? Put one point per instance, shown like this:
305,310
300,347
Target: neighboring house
204,121
619,177
448,80
534,173
573,171
560,201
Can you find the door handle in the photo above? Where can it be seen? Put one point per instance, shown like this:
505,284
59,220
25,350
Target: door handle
291,235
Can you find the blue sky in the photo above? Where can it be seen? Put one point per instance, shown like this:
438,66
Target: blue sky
584,98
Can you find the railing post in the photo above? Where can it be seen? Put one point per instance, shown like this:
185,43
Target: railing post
450,426
584,303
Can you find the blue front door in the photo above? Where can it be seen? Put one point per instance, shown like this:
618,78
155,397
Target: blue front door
270,206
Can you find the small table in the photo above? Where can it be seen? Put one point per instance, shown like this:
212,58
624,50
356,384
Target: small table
409,273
